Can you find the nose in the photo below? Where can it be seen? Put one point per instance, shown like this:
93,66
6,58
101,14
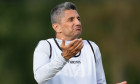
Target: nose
77,22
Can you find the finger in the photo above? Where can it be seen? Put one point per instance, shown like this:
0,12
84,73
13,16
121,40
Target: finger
124,82
72,47
72,43
76,51
78,47
77,43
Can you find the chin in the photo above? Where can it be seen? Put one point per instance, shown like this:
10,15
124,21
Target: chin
78,35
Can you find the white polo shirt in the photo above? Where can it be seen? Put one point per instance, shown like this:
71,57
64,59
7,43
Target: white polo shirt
51,68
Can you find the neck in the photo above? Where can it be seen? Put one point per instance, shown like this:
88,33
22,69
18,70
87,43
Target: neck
65,38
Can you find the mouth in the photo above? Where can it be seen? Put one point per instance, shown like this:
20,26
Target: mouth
77,28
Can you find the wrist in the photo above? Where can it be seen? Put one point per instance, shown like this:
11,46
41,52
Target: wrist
64,57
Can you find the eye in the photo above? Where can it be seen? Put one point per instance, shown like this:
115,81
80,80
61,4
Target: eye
78,18
70,19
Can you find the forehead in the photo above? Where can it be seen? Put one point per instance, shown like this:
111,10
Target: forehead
71,13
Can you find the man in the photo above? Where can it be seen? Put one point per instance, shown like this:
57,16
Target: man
67,59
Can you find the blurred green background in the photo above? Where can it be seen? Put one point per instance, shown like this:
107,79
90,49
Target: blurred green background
114,25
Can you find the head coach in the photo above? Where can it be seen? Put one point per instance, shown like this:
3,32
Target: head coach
67,59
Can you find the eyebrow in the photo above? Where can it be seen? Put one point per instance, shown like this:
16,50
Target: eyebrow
73,17
70,18
78,17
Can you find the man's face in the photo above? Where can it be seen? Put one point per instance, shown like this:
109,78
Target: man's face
70,24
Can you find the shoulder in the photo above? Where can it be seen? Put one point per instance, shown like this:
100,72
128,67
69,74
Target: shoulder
43,44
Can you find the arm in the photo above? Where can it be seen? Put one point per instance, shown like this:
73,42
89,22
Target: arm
44,69
99,67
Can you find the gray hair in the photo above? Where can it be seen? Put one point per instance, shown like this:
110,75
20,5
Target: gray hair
56,12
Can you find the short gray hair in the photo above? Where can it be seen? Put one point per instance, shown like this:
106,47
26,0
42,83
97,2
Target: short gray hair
57,11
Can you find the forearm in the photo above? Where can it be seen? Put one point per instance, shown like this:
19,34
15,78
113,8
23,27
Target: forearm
49,70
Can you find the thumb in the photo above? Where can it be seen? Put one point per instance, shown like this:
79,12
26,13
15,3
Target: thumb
63,43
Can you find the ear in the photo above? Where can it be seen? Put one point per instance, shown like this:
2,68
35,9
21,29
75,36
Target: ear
56,27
